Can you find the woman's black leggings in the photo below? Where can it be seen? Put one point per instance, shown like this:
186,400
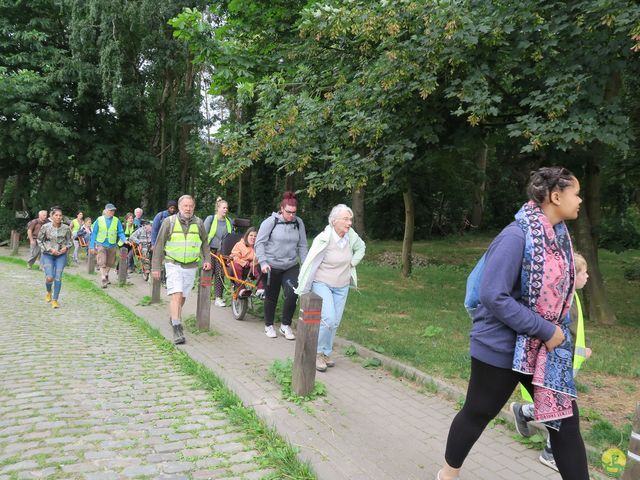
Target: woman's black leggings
288,280
489,389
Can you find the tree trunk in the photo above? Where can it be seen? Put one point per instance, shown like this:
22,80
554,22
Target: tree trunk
18,200
185,129
357,205
3,182
407,242
478,192
289,183
239,204
596,304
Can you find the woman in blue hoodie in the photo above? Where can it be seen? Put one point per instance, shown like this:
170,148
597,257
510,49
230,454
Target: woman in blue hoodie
518,335
281,246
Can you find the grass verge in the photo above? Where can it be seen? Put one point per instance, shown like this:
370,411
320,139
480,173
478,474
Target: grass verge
282,373
276,453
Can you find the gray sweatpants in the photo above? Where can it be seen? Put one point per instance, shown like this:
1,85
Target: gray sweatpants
33,254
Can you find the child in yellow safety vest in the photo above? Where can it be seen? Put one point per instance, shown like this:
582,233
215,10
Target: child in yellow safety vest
523,413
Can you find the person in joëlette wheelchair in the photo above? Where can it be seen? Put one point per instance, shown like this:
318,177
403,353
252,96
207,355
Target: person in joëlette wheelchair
241,267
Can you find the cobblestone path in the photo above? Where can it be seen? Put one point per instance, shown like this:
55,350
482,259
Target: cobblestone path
84,394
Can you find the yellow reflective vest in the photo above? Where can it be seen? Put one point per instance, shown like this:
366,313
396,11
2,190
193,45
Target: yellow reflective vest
110,234
214,227
129,229
181,247
75,226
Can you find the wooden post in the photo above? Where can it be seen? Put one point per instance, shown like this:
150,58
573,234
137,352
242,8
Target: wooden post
304,361
632,470
122,266
155,290
203,311
91,263
15,242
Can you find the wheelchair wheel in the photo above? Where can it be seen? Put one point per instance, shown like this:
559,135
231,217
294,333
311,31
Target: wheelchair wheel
239,307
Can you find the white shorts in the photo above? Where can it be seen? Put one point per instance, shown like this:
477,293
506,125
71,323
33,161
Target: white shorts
179,279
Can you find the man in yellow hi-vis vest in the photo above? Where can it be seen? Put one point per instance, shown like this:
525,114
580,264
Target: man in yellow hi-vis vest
106,237
181,242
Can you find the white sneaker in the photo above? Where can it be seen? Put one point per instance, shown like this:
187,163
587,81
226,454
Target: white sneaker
270,331
287,332
219,302
260,293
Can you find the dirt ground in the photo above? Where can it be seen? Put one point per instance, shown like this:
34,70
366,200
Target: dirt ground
615,398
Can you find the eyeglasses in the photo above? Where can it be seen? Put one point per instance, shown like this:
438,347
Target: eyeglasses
289,211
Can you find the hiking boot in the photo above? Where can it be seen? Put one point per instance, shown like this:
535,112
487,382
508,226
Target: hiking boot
328,361
321,364
219,302
105,282
520,420
178,334
546,458
55,304
287,332
47,298
270,332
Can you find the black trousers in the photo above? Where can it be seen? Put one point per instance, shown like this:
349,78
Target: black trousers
489,389
287,279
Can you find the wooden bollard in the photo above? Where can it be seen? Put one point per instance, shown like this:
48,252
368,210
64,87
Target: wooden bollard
304,361
203,310
91,263
123,266
155,290
632,470
15,242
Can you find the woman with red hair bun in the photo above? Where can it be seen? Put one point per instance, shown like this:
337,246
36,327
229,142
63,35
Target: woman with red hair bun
281,246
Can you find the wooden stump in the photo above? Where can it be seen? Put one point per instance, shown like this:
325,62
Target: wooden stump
304,361
155,290
91,263
123,266
203,311
632,470
15,242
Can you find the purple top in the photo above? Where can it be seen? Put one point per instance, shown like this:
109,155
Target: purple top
501,315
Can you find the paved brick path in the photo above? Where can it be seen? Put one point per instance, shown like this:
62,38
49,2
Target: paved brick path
88,395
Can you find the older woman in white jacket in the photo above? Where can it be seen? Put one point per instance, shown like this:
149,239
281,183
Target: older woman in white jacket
328,271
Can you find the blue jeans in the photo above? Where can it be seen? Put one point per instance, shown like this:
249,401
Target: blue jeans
53,268
333,302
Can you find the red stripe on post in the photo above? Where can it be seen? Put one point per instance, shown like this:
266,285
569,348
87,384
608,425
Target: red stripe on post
205,282
312,312
310,321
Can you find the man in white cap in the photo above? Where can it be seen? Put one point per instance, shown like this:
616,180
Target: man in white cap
106,236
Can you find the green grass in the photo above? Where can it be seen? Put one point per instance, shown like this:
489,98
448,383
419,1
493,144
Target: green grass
282,372
421,319
275,452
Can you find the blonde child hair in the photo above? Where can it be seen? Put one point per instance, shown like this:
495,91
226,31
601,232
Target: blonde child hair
580,262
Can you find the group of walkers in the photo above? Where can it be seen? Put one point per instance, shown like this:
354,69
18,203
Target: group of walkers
522,322
273,254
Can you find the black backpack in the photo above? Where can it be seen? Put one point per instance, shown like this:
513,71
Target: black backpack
276,222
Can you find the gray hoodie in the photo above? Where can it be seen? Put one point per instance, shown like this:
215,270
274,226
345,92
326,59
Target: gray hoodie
288,242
